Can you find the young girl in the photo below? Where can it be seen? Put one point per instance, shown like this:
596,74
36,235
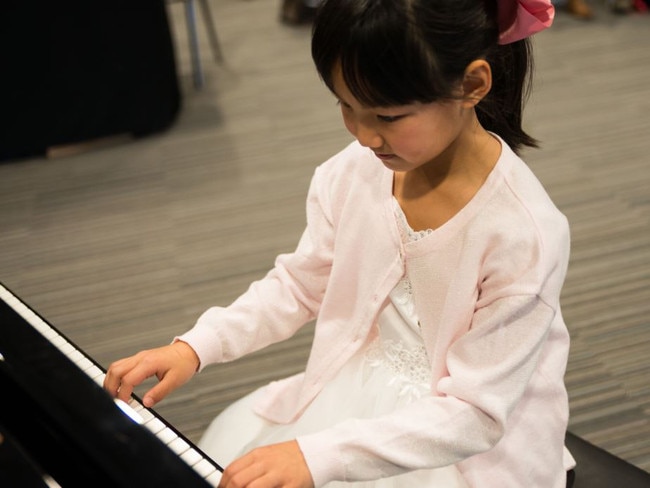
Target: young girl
432,262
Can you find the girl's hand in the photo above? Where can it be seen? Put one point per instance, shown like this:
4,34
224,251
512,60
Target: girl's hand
173,365
275,466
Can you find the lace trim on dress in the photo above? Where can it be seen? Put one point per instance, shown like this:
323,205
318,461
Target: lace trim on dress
406,232
410,367
402,297
402,294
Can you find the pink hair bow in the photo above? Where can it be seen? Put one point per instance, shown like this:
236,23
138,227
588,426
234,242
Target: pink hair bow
519,19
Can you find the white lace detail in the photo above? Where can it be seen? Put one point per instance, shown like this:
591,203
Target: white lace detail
414,235
402,297
410,367
407,233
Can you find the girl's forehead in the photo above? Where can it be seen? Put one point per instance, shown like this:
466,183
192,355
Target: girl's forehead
339,86
341,90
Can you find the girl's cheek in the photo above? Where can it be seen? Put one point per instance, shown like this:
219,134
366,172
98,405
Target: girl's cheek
349,124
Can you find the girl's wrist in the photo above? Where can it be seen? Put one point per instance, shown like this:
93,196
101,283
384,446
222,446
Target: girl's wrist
187,352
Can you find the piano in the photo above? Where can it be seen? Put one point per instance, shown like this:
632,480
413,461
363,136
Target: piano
56,418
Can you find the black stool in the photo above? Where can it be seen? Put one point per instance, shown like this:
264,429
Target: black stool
597,468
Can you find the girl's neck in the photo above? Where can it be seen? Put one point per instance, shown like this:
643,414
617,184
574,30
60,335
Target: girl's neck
470,157
433,193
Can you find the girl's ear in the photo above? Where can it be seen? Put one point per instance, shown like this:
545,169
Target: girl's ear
477,82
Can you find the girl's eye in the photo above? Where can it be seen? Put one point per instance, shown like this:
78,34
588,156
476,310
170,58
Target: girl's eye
389,118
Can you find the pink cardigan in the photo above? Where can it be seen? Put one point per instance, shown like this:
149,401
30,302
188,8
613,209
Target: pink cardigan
486,288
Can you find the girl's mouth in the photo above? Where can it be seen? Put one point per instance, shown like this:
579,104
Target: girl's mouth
384,157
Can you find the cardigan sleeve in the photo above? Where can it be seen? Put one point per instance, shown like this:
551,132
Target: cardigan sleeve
275,307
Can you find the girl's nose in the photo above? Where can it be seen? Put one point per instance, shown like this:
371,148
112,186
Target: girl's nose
368,136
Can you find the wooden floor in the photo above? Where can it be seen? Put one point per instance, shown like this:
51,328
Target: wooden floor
122,247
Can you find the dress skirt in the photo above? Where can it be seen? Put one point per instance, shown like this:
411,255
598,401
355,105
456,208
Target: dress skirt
391,371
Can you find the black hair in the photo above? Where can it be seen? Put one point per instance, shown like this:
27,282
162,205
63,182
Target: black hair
397,52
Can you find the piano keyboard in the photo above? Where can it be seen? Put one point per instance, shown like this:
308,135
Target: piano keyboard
209,470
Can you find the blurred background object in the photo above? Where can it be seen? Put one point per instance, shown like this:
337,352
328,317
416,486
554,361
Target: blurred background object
76,73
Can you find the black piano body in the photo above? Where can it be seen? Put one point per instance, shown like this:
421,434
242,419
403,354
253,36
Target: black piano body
68,427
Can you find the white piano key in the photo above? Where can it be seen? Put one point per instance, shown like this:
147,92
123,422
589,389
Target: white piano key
66,348
50,482
58,341
85,364
214,478
132,414
191,457
154,425
47,332
178,445
166,435
95,372
135,404
146,415
204,468
76,357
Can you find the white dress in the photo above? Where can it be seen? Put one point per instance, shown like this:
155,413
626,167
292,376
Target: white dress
392,370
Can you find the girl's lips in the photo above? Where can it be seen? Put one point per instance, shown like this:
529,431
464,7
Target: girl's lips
384,156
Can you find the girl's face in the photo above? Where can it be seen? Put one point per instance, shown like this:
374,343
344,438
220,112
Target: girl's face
404,137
